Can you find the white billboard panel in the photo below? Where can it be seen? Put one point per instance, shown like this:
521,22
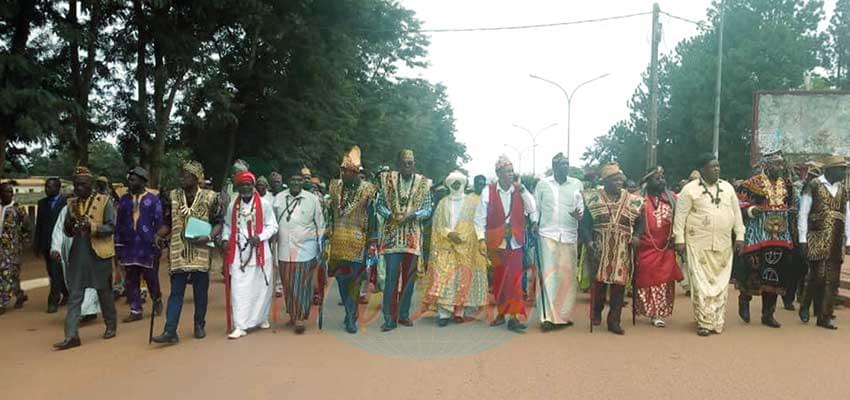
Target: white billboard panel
801,123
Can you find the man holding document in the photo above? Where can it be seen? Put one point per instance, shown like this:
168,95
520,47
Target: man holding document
189,213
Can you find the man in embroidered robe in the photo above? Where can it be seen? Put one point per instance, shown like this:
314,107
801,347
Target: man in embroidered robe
657,272
608,226
457,271
766,264
561,207
48,213
248,225
824,235
707,215
60,251
301,227
404,201
138,234
189,257
91,222
500,228
15,231
351,233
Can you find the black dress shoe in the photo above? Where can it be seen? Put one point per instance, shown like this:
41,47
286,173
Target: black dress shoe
166,337
547,326
387,327
744,311
616,329
443,322
109,333
828,324
133,317
52,308
804,315
351,327
68,343
405,322
19,303
703,332
88,318
200,333
515,326
790,307
770,321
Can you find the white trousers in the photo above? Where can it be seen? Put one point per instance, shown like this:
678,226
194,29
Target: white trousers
250,295
558,262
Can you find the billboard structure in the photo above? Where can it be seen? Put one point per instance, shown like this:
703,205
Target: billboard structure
803,124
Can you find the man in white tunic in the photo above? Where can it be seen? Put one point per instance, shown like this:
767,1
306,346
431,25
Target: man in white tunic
248,226
707,215
560,205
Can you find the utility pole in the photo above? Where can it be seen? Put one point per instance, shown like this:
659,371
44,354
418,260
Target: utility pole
652,140
718,86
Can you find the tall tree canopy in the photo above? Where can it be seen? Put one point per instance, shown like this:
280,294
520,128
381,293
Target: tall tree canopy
768,45
280,83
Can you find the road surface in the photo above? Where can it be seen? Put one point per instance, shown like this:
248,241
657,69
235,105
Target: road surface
424,362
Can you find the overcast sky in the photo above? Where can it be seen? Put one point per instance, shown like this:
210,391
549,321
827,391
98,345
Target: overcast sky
487,73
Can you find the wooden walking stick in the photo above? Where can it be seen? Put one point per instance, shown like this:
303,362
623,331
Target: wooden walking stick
150,332
153,312
634,288
320,269
542,288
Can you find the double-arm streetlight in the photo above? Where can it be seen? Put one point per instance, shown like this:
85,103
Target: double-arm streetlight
519,154
534,136
569,97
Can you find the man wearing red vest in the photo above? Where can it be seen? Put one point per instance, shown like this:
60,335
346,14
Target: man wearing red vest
500,226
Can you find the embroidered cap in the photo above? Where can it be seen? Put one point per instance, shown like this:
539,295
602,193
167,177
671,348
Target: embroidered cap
834,162
609,170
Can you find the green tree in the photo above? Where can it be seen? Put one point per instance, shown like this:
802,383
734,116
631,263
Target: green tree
84,52
27,104
104,159
839,31
300,82
768,45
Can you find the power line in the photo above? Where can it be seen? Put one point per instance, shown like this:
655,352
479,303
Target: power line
699,23
535,26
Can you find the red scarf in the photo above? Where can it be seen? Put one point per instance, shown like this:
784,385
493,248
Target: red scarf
230,254
495,229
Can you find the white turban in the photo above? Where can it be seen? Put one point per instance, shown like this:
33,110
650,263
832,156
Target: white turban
456,176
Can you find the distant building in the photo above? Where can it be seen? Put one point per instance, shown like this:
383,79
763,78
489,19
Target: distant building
29,185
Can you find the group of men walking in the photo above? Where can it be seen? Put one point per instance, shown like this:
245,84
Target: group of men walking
781,236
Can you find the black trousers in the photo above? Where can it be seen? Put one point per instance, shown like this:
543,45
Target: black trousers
822,284
58,289
796,279
615,301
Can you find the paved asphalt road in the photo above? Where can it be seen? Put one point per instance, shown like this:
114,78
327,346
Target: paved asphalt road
424,362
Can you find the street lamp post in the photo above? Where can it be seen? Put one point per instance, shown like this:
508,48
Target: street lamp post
519,156
569,97
534,136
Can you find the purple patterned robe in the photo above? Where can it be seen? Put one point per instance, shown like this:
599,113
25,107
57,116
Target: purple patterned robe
134,243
